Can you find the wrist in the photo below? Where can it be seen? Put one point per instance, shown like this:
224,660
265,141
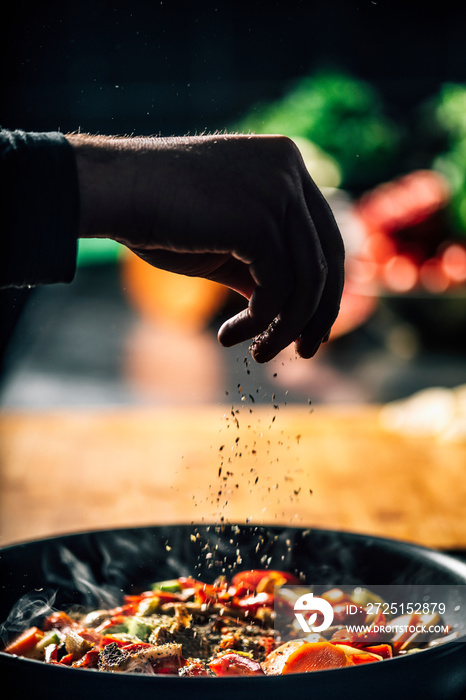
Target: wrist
107,174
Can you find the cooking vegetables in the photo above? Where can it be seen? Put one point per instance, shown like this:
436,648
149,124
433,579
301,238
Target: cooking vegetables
187,627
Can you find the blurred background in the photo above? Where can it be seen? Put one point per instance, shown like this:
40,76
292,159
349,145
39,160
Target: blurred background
373,92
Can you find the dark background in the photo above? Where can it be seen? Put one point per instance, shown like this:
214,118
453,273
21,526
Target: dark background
170,68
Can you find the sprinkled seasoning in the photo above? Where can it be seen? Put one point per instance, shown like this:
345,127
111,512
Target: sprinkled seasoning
257,467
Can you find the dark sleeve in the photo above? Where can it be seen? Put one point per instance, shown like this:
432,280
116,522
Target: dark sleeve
39,212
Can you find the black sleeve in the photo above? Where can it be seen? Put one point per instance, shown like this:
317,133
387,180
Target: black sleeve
39,211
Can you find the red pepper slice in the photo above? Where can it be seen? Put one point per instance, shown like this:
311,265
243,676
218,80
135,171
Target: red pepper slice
112,622
383,650
130,608
209,593
248,581
51,654
89,660
67,660
109,639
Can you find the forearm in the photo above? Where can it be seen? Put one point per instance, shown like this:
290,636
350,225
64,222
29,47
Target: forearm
148,191
100,182
119,179
237,209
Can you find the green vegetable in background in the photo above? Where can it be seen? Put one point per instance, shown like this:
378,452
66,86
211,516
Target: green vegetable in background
450,115
451,110
341,115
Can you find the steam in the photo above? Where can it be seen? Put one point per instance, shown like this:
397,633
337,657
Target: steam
65,572
28,611
80,574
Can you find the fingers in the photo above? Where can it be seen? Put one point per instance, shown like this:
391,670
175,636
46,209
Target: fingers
310,274
264,305
304,306
317,330
274,279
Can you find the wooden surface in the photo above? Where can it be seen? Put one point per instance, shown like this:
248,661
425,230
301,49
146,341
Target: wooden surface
77,470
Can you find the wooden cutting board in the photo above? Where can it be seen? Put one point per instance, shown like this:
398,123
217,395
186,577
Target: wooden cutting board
331,467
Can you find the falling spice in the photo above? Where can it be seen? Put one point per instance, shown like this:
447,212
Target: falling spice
269,491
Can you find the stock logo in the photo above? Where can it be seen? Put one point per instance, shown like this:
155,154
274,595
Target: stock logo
309,605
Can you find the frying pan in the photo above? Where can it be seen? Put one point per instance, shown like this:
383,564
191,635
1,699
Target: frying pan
94,568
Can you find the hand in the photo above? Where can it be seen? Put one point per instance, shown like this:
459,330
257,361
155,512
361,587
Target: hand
237,209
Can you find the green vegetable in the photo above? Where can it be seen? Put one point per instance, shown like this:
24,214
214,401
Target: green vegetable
117,628
170,586
449,109
50,638
139,628
149,606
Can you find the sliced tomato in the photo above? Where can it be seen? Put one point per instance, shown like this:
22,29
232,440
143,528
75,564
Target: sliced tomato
233,664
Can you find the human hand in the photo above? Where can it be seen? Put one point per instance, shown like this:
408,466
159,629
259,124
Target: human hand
237,209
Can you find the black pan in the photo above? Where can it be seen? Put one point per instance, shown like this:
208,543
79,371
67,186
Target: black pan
94,568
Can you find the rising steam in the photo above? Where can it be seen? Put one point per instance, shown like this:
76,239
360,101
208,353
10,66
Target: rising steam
28,611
